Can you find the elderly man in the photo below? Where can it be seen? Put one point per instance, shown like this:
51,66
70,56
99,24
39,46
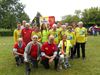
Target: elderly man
26,33
49,53
81,38
32,53
18,51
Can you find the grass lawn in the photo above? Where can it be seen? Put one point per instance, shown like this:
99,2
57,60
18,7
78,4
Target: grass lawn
91,66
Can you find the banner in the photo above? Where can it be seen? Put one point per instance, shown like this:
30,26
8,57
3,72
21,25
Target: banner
48,19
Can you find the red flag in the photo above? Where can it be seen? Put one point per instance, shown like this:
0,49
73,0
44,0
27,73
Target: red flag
51,20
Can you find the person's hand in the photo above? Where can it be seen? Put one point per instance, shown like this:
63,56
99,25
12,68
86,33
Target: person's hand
62,52
22,55
52,57
51,60
48,57
38,58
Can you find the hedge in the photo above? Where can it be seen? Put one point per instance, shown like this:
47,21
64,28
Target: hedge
6,33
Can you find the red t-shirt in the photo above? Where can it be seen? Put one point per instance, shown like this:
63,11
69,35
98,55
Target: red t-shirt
49,49
26,35
20,50
34,51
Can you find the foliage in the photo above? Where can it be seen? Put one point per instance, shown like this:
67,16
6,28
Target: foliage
11,11
88,16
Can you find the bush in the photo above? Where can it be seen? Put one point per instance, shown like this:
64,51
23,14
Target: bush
6,33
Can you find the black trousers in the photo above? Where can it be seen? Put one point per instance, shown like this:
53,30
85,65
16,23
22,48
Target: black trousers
74,50
45,63
34,63
19,59
71,53
82,46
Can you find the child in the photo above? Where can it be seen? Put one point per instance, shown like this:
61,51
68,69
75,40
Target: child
64,47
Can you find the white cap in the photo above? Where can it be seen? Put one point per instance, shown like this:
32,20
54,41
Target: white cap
24,21
54,25
27,24
80,23
34,36
66,24
20,39
63,26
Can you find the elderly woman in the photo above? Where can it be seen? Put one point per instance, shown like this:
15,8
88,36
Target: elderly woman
81,38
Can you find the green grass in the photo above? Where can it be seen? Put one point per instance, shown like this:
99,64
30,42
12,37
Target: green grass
91,66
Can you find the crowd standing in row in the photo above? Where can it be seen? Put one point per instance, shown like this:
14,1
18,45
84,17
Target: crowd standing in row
46,44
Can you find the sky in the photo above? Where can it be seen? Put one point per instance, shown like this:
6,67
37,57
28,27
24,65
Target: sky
57,8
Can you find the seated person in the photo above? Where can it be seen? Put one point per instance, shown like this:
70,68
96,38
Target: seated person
64,47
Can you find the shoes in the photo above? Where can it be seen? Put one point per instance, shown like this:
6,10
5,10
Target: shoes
28,73
60,67
65,67
68,65
17,64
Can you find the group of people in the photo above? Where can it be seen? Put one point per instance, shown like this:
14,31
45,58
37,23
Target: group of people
94,30
45,44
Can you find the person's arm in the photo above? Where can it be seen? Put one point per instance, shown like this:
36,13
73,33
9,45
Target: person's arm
27,51
15,36
16,53
60,48
21,34
43,54
54,55
43,51
74,38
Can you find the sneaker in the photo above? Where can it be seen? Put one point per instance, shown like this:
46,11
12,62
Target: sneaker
68,65
28,73
65,67
17,64
60,67
57,69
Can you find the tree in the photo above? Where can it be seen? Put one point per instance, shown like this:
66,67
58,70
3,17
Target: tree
11,11
78,13
71,18
88,16
91,15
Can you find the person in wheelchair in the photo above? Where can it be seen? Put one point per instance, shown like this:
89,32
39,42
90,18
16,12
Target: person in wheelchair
64,51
